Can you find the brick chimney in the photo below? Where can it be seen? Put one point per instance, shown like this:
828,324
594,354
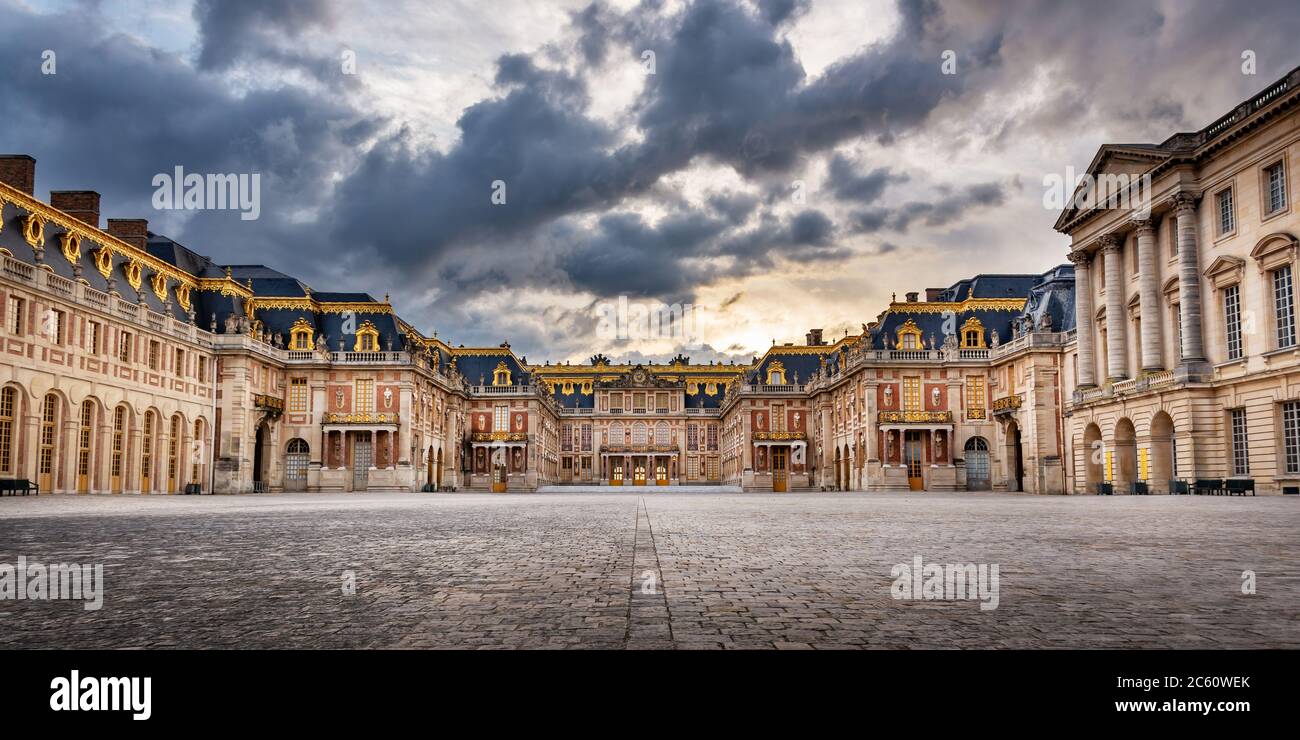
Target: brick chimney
133,231
82,205
815,337
912,297
19,171
932,294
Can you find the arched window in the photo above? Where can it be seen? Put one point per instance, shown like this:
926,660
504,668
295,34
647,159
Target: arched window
662,433
776,373
977,444
616,436
8,399
639,433
84,436
119,447
45,456
146,452
196,465
367,338
173,452
501,375
972,334
296,459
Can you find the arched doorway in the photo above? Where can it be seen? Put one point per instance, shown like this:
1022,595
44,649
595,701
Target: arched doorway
1125,460
839,486
259,458
1093,455
85,437
437,471
976,455
1163,455
48,443
1015,460
297,456
174,453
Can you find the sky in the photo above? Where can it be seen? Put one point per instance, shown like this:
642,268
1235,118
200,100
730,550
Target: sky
515,170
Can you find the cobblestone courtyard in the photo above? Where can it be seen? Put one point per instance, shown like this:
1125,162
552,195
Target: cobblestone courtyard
567,569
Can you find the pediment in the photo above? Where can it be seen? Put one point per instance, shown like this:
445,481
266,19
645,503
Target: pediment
1224,271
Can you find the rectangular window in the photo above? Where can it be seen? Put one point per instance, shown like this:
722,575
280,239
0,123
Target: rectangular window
501,419
7,397
155,350
1275,177
15,317
1232,320
1284,306
911,394
203,368
58,323
1240,450
566,438
713,437
124,346
586,441
974,397
692,437
1178,329
178,364
95,331
364,403
1171,226
1291,436
298,395
1227,219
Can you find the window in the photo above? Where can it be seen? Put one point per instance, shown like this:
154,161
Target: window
173,451
155,352
124,346
297,395
146,453
56,321
974,397
364,403
1171,226
712,436
1232,320
7,398
1275,182
196,465
639,434
1227,220
203,368
83,437
178,365
297,460
94,333
1284,307
119,440
566,438
501,375
911,394
15,317
1240,451
586,438
501,419
1178,329
662,433
45,457
1291,436
692,437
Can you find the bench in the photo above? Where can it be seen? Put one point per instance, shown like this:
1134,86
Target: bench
1239,486
1178,487
14,485
1207,486
1105,489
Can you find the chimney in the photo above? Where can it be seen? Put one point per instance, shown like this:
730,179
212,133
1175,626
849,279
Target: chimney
814,337
82,205
912,297
19,171
133,231
932,294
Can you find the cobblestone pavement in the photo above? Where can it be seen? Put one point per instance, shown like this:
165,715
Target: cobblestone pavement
655,569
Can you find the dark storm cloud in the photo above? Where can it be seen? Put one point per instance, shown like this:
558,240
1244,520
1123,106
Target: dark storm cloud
954,203
848,185
265,30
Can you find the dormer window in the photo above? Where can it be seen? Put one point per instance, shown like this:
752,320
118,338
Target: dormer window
367,338
301,335
972,334
776,373
501,375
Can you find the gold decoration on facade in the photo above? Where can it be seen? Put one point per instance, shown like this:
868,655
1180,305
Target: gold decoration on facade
263,401
692,388
909,328
183,296
34,230
104,260
975,413
2,211
779,436
311,304
970,304
1006,403
301,335
972,334
915,417
134,273
159,284
70,245
586,386
367,338
499,437
224,286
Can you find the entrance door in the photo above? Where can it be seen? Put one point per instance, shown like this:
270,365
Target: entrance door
661,473
780,469
498,478
977,464
638,474
616,473
361,458
913,454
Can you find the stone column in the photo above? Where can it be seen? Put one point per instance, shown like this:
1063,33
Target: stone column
1116,317
1084,333
1149,289
1189,279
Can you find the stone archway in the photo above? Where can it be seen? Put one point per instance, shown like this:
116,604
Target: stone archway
1124,462
1093,449
1014,458
1163,465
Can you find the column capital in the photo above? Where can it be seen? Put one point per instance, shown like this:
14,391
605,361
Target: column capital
1079,257
1184,203
1109,243
1143,227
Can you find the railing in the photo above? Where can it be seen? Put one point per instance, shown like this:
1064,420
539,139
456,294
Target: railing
1007,403
697,411
973,354
502,390
19,270
360,418
96,298
1031,340
125,308
59,284
915,417
786,388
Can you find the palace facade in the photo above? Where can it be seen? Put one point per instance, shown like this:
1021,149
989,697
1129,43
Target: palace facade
134,364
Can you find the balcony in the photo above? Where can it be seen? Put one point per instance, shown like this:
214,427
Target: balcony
498,437
1007,404
367,418
779,436
1132,386
915,417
